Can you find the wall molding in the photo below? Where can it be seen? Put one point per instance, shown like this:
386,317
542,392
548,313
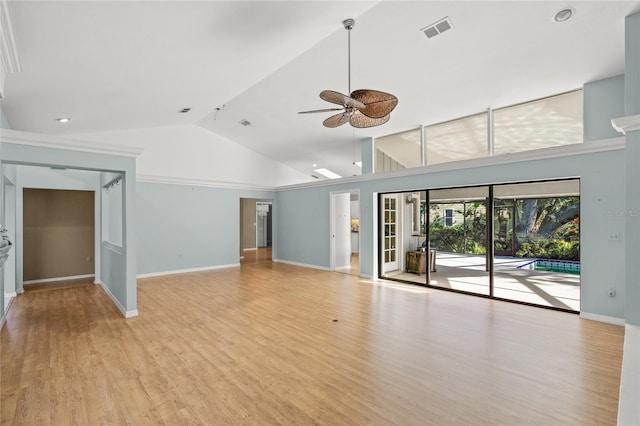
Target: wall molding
187,271
602,318
50,141
590,147
303,265
623,125
125,313
207,183
11,294
8,49
51,280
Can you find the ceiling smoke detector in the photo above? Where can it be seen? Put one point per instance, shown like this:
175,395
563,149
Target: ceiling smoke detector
438,27
563,15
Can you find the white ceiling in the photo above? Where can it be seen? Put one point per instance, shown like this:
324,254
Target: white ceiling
121,65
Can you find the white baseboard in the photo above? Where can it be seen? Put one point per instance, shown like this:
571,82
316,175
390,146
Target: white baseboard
186,271
125,313
602,318
343,268
304,265
628,413
11,294
250,249
4,314
51,280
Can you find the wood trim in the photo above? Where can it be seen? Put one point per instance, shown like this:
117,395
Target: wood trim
8,50
304,265
186,271
125,313
171,180
623,125
51,280
49,141
602,318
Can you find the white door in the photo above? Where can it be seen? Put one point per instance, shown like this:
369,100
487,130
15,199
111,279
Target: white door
389,233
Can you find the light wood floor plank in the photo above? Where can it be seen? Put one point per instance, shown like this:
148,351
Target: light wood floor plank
278,344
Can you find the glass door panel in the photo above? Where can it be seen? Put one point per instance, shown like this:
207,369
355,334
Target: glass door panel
458,239
537,243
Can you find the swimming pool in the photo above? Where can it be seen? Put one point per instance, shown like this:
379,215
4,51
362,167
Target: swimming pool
552,265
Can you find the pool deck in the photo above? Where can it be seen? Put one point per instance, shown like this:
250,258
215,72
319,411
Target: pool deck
468,273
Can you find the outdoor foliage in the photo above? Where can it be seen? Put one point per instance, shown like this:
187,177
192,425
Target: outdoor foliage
547,228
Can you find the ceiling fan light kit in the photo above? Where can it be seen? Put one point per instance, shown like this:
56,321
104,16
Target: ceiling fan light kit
363,107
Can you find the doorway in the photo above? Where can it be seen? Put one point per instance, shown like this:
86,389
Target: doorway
256,230
345,231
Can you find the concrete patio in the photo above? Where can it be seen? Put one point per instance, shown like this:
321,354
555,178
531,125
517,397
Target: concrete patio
468,273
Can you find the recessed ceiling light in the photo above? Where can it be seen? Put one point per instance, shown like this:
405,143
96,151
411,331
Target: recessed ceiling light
563,15
327,173
314,165
63,119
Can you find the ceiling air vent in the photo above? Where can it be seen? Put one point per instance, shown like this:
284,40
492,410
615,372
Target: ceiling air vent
184,110
437,28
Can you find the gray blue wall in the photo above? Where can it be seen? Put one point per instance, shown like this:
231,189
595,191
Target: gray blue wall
303,220
118,270
603,100
183,227
4,122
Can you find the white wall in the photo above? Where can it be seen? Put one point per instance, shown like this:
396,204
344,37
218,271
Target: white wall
191,152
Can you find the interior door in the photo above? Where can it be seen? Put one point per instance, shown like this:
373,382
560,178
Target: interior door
389,233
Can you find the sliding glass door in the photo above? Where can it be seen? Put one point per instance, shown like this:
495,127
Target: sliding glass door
458,239
518,242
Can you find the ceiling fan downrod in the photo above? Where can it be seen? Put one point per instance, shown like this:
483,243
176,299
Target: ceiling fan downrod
348,25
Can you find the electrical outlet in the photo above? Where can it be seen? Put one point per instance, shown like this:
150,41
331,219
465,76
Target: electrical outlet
612,291
614,236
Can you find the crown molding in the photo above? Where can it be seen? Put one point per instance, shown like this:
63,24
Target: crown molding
8,51
630,123
49,141
589,147
207,183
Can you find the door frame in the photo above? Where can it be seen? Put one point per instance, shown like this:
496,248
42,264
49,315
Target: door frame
332,227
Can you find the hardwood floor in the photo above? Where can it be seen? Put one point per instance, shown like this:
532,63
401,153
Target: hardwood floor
270,343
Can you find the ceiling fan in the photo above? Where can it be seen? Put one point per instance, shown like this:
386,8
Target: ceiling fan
362,108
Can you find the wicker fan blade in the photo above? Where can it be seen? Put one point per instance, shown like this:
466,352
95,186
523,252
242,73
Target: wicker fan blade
337,120
377,104
340,99
360,120
321,110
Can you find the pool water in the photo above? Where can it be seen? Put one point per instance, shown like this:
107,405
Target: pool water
564,266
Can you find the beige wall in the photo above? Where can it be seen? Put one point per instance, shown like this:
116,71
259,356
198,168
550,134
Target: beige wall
248,223
58,233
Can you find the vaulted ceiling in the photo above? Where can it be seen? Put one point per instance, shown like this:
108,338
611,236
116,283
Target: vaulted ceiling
125,65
